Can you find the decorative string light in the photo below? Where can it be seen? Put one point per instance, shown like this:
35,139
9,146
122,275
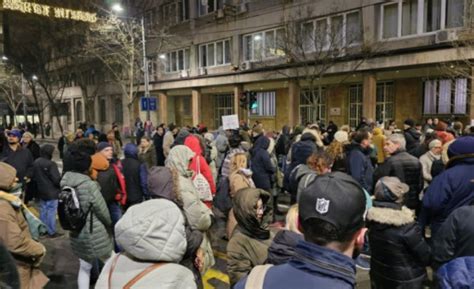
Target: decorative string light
49,11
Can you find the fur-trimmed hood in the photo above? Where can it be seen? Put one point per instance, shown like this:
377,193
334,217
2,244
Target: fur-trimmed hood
391,216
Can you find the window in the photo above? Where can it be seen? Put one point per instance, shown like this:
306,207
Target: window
69,114
264,45
102,110
177,60
400,18
149,18
78,111
265,105
344,30
214,54
187,105
175,12
223,105
313,105
384,107
118,110
209,6
445,96
355,104
183,10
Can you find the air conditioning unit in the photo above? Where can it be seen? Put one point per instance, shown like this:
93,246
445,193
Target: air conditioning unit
184,73
447,36
220,14
246,65
202,71
242,8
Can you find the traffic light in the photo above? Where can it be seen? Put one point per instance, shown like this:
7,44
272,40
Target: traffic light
243,99
252,100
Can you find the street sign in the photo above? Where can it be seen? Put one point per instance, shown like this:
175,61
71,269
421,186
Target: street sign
144,103
152,104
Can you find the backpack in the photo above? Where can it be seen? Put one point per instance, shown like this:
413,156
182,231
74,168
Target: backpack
71,215
121,192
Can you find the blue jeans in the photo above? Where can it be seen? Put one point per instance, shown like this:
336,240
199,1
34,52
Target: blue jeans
48,214
115,214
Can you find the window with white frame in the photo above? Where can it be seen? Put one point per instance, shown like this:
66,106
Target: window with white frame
214,54
175,12
265,105
332,32
177,60
411,17
313,105
355,104
445,96
223,105
385,101
208,6
264,44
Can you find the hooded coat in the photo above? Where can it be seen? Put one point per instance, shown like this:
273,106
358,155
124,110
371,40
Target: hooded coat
399,253
379,141
359,165
197,213
136,174
283,247
158,143
148,156
251,238
300,152
222,144
97,243
412,137
261,164
149,233
46,175
194,144
457,274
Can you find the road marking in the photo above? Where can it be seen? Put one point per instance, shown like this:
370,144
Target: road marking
214,274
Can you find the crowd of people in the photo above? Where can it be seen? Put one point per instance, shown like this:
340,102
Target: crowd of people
392,201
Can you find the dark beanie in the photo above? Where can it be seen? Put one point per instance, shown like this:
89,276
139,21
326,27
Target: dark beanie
103,145
410,122
462,146
78,161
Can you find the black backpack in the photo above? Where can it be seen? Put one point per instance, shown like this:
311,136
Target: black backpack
71,216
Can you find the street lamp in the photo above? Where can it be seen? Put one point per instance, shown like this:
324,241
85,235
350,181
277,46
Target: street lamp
4,58
34,77
119,9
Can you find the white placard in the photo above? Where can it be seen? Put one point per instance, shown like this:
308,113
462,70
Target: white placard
230,121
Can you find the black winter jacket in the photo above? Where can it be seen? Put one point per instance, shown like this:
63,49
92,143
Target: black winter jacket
34,148
108,184
21,160
399,253
455,238
412,137
283,247
46,175
409,170
261,164
359,166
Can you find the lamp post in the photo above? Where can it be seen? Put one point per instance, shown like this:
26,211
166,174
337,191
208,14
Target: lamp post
119,9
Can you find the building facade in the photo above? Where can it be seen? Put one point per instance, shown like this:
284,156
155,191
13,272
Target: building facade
393,60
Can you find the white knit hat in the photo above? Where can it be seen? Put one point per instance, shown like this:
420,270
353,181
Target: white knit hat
341,136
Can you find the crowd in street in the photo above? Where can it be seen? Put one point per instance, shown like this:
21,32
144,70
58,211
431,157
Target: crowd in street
140,213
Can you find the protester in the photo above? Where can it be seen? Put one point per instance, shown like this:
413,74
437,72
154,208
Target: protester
46,177
331,215
168,139
283,142
434,153
93,242
136,176
261,165
211,146
405,167
337,150
139,130
441,131
457,274
234,146
399,253
222,145
318,164
117,136
147,152
116,146
452,188
412,136
428,125
30,144
359,165
64,141
251,238
79,134
153,237
158,138
15,234
379,141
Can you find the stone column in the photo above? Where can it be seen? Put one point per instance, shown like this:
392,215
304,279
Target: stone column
293,103
163,107
369,98
196,106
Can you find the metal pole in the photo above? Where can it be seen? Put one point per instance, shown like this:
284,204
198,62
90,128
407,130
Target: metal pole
23,99
145,67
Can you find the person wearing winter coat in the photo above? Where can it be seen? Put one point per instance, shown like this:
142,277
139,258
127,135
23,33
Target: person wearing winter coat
8,273
30,144
136,174
451,189
117,147
234,147
222,145
210,143
457,274
359,165
168,139
15,234
147,152
261,164
426,160
412,136
405,167
197,213
379,141
442,133
46,177
318,164
337,150
158,138
251,238
399,253
283,142
164,184
455,237
199,164
153,238
94,240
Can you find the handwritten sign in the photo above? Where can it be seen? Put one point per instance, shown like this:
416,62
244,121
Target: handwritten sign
230,121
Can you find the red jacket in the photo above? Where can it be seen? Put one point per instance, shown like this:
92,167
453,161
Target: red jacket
193,143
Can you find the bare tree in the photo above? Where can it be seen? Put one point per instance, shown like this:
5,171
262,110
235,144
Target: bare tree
10,89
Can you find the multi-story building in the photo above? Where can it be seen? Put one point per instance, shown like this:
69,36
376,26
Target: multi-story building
310,59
